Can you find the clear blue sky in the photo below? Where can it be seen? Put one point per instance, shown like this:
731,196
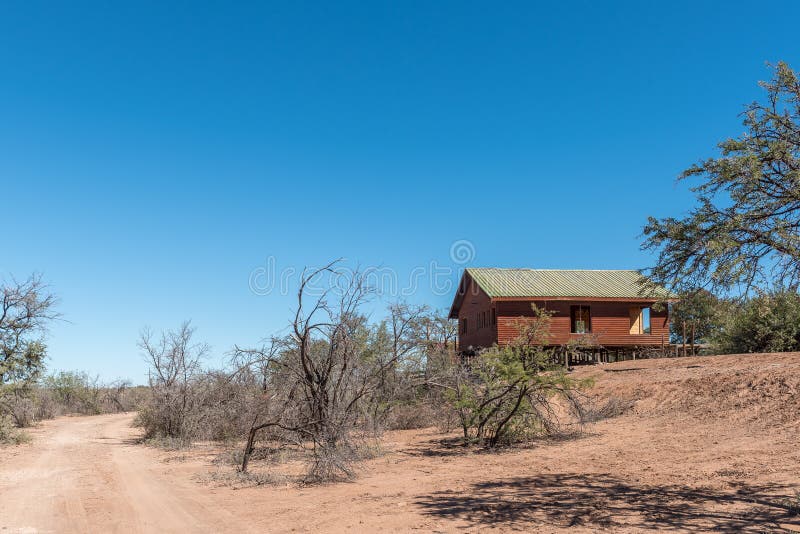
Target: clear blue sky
154,156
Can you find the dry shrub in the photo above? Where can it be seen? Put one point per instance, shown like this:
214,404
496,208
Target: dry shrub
216,408
22,411
231,456
337,380
613,407
445,417
70,393
792,504
47,406
319,395
272,455
411,416
249,479
167,443
9,434
184,403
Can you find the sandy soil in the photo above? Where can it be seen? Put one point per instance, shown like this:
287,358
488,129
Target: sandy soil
711,444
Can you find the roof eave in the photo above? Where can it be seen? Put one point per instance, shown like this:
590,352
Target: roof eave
602,299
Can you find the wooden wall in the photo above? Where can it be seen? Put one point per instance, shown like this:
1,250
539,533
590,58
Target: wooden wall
475,301
611,322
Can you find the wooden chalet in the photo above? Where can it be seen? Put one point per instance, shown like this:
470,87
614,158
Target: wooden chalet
612,310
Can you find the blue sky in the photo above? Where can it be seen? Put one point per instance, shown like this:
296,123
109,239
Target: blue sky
155,156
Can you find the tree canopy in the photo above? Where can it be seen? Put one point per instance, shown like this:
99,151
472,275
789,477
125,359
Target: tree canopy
743,232
768,322
25,309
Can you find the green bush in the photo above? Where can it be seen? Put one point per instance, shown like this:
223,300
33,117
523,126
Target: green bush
75,392
769,322
506,394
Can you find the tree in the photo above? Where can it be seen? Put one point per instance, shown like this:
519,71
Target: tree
695,317
768,322
744,231
26,308
396,345
322,378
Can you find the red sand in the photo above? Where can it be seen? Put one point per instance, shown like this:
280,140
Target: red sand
711,444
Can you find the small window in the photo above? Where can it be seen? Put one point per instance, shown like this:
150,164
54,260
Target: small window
494,317
640,320
464,325
580,319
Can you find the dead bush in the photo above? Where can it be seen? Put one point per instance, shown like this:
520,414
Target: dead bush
249,479
594,410
46,405
332,385
231,456
171,408
10,434
792,504
326,385
22,410
411,416
186,403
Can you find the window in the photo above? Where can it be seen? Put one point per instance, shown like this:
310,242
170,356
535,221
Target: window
494,317
464,325
640,320
580,319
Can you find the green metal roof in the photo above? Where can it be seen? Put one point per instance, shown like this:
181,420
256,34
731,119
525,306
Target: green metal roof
564,283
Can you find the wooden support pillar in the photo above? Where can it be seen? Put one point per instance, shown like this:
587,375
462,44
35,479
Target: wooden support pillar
691,339
683,340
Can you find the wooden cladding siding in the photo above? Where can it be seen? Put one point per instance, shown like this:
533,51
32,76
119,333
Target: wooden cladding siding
610,321
475,301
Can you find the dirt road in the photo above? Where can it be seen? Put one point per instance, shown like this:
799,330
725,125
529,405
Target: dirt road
84,474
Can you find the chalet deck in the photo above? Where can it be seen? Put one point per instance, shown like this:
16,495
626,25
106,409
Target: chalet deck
612,310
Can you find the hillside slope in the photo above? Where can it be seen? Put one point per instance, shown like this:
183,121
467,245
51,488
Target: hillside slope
759,390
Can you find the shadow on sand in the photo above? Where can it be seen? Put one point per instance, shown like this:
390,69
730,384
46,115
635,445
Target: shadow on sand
454,445
602,501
